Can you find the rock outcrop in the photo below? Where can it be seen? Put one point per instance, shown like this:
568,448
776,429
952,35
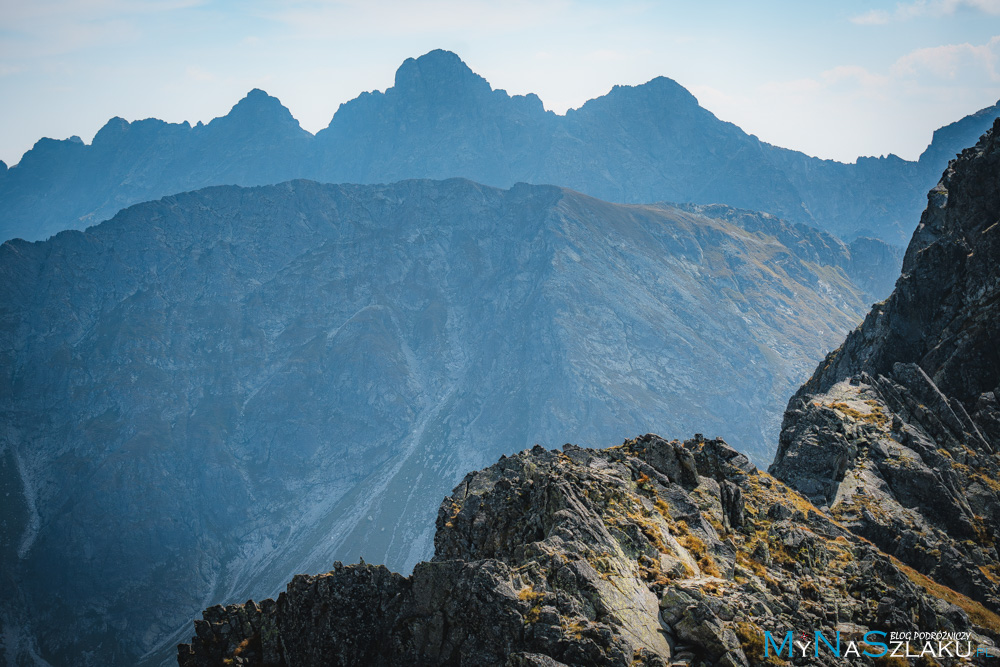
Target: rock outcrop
898,431
650,553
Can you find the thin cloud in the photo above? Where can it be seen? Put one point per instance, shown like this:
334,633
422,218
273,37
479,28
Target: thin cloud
952,61
19,16
960,64
606,55
793,87
848,80
196,73
316,19
856,75
57,27
873,17
926,8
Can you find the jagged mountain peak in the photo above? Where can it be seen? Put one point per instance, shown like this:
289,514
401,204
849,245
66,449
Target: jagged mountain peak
438,73
115,126
664,88
259,110
663,95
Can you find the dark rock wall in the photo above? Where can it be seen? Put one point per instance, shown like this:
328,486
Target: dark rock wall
897,432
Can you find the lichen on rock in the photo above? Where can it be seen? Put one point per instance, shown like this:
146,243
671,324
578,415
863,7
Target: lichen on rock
653,552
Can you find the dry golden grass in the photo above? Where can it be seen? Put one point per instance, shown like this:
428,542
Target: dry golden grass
979,614
876,416
708,567
534,598
751,640
988,480
650,530
529,594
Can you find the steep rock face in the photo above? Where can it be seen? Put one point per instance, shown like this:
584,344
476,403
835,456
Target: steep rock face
650,553
898,430
214,391
955,137
872,264
636,144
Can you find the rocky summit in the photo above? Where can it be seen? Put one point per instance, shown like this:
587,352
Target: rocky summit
649,553
897,433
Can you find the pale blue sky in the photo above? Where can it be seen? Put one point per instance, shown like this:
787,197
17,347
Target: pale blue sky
835,80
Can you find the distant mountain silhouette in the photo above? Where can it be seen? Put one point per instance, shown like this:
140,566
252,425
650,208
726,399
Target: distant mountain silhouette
636,144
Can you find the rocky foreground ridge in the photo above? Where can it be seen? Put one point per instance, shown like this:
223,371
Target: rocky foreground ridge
649,553
897,434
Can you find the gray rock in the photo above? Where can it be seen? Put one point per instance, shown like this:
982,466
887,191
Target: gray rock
543,559
896,430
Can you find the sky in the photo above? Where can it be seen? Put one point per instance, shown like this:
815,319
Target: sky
833,79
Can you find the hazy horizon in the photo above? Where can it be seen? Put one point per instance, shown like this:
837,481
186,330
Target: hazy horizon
837,82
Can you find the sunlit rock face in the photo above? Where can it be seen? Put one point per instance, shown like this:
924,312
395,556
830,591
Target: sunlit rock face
650,553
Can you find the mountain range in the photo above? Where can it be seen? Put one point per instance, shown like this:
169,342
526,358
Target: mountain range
872,540
637,144
211,392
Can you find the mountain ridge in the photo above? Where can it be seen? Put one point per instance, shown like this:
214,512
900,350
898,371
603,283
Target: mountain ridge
903,416
650,553
254,382
875,529
636,144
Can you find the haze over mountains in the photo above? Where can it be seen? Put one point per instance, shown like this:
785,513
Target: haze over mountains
214,391
655,553
636,144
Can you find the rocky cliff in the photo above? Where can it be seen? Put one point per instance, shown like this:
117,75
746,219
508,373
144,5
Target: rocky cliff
897,434
637,144
214,391
650,553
